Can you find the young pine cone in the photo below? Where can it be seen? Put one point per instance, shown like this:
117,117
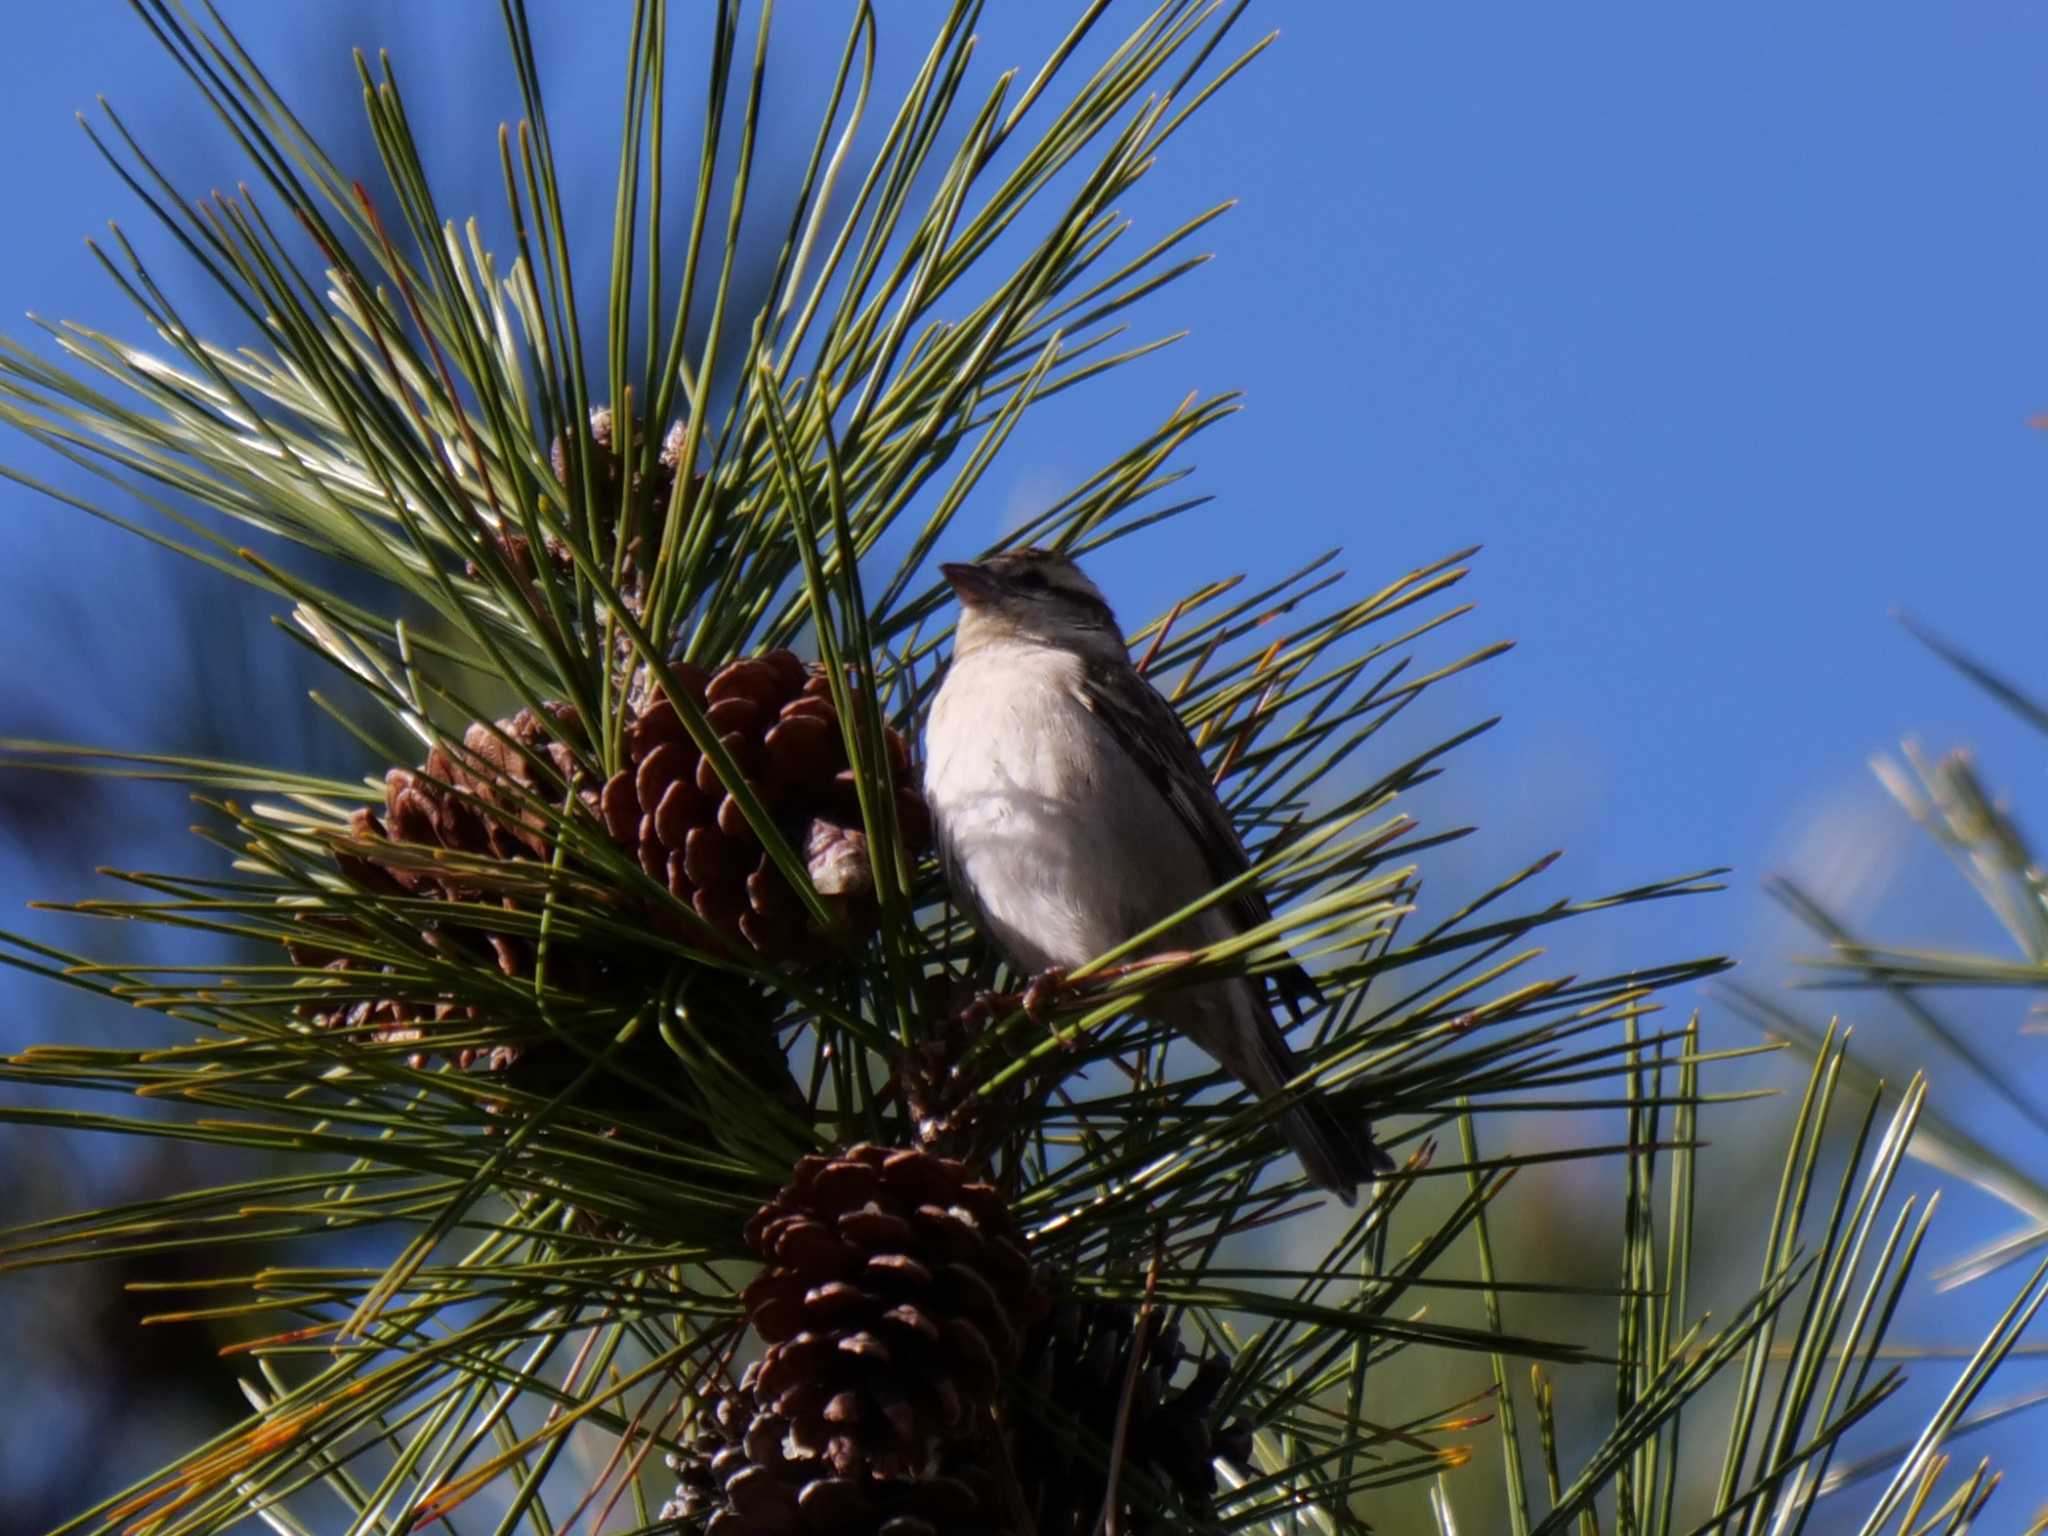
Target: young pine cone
896,1298
645,507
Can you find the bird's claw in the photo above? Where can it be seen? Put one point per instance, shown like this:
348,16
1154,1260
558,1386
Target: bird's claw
1041,992
985,1006
975,1016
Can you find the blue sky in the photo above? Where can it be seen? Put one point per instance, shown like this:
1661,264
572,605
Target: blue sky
1718,329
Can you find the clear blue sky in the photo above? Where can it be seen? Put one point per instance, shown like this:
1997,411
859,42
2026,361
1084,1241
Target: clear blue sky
1719,329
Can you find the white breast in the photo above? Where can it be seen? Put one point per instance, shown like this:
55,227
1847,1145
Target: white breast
1053,834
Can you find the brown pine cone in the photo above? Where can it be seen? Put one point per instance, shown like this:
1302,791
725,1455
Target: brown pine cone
1077,1365
466,804
896,1297
736,1477
666,805
776,718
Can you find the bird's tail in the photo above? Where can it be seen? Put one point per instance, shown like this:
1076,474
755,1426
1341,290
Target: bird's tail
1335,1156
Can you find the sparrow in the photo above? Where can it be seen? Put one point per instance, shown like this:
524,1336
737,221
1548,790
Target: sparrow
1072,810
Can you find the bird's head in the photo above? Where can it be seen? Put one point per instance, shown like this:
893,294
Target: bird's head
1031,595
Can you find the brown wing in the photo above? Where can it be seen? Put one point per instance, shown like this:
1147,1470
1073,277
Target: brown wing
1150,733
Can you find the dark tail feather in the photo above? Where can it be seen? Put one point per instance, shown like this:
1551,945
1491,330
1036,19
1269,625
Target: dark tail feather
1332,1155
1335,1156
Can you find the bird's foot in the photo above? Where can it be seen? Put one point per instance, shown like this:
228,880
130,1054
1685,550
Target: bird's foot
974,1017
1041,993
1035,1000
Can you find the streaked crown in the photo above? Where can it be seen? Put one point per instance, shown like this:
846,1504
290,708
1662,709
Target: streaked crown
1034,592
1043,570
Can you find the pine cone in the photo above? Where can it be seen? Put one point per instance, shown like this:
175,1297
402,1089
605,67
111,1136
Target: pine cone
667,806
897,1297
740,1474
737,1477
467,806
776,718
1077,1366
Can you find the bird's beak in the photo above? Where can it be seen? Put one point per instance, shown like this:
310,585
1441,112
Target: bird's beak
972,584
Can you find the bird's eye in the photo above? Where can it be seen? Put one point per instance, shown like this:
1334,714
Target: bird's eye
1031,581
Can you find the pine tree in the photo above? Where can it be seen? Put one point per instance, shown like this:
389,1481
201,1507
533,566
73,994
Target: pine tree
622,1015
